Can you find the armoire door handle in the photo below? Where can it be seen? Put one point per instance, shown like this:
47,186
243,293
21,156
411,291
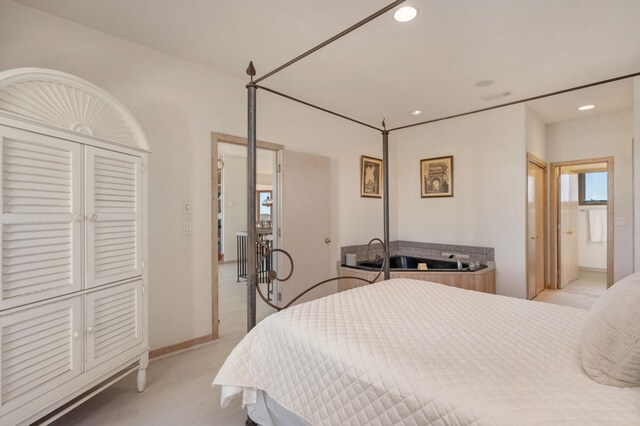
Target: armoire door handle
93,217
79,218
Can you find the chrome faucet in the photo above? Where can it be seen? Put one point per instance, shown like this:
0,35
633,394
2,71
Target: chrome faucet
457,257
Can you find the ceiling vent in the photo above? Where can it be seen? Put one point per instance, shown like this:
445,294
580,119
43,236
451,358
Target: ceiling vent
497,96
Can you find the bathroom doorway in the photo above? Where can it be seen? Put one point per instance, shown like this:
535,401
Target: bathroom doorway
582,220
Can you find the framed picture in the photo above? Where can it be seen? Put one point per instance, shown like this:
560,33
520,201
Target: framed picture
370,177
436,177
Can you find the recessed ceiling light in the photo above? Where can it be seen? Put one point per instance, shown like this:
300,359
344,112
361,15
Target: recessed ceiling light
416,112
484,83
586,107
405,14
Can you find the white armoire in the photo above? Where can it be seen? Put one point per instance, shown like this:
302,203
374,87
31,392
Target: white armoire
73,290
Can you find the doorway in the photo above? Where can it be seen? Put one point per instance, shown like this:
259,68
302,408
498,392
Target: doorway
229,227
298,209
582,217
536,226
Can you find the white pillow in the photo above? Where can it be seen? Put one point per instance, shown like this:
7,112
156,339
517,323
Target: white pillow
610,339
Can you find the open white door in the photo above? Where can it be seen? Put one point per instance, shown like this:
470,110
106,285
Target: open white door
304,224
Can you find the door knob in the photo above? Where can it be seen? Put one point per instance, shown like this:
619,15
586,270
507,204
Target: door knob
90,330
79,218
327,240
93,217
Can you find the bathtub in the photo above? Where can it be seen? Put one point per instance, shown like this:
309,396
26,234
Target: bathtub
408,263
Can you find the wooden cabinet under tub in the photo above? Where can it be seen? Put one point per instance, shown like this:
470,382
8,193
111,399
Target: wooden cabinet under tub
73,299
481,280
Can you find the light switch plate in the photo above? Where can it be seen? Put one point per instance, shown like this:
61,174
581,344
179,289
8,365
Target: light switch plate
186,207
187,227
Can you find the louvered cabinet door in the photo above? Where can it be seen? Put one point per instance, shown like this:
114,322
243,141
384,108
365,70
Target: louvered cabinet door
40,349
41,217
114,213
114,323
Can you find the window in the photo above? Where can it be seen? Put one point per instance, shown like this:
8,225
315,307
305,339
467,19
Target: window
592,188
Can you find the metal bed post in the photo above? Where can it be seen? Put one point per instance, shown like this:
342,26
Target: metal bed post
252,265
385,196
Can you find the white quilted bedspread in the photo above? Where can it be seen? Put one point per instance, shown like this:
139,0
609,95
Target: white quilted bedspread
416,353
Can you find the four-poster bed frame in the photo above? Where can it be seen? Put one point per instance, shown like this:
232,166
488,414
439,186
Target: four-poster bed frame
252,88
306,362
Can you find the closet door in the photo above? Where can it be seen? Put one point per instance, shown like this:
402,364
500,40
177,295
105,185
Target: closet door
114,323
41,217
114,216
40,349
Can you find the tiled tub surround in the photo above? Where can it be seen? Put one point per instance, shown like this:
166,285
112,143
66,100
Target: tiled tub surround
484,255
482,280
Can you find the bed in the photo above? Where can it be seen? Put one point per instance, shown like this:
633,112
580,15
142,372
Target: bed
411,352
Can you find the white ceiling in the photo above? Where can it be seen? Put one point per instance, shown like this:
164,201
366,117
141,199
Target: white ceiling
386,69
610,97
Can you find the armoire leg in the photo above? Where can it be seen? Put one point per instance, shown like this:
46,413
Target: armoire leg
141,379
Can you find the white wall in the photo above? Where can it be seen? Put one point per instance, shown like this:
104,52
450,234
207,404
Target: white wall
179,104
263,179
603,135
535,134
590,255
234,199
636,167
488,206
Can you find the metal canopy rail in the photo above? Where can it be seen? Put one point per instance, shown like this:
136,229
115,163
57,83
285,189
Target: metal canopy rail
266,89
252,87
520,101
332,39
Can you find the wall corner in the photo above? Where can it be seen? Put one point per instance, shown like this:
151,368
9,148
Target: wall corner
636,174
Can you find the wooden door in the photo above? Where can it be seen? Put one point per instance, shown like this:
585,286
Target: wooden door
568,228
40,349
114,216
305,224
535,230
42,218
114,323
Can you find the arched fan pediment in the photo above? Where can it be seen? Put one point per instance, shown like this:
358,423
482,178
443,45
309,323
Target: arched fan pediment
70,103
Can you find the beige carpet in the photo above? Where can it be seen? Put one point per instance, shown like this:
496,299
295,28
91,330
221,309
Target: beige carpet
581,293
